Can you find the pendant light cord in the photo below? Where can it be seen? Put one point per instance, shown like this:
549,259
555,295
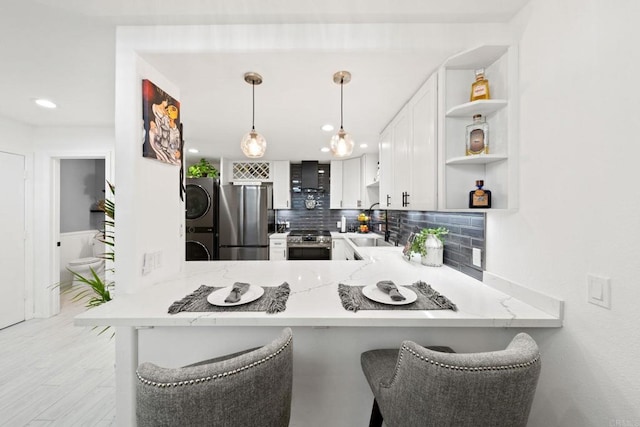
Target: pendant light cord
253,104
341,86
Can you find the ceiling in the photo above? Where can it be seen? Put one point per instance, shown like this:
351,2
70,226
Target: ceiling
64,50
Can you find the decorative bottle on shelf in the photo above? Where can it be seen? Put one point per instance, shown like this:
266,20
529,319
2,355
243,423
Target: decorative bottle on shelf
477,136
480,88
480,198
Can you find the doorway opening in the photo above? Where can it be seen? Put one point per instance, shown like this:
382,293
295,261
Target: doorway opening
78,187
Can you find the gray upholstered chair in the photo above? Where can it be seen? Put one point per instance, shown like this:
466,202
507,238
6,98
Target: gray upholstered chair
417,386
250,388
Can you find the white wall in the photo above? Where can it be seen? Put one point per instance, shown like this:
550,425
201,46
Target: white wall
579,205
150,215
82,185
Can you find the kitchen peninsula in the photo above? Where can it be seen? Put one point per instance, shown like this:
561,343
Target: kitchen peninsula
329,388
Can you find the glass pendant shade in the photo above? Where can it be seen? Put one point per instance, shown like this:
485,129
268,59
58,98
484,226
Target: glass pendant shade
253,144
341,144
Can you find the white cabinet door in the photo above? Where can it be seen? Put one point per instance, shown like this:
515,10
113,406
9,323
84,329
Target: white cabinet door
336,185
351,187
368,179
281,185
422,193
401,160
386,168
338,250
278,250
345,184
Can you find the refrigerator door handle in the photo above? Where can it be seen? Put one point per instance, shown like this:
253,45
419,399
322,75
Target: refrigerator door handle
241,214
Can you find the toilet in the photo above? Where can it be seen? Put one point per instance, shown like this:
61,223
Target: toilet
83,266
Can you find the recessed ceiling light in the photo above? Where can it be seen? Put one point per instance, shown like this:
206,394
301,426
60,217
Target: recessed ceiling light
193,150
364,145
325,149
45,103
327,127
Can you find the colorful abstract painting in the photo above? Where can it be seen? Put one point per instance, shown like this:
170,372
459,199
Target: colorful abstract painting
161,122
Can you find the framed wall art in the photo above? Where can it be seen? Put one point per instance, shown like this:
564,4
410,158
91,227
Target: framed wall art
161,125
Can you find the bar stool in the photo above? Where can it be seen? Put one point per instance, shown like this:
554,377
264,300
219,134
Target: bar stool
417,386
252,387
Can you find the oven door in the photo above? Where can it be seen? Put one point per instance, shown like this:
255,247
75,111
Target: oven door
306,253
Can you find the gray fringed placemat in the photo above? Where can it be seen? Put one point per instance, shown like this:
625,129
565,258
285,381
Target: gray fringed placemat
274,300
428,299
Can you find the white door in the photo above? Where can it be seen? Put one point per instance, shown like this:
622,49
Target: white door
12,230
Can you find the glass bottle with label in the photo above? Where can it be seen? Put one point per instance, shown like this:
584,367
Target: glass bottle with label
480,88
480,198
477,136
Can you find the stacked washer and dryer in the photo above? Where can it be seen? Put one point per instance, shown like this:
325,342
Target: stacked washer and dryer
201,219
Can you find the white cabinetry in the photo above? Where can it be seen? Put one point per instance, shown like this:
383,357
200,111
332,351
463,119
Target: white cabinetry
386,167
345,184
370,184
408,153
281,184
278,248
401,149
340,250
498,169
424,170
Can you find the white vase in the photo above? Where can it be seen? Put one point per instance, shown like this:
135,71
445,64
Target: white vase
435,251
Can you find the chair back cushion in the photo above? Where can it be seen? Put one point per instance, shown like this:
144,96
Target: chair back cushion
251,388
430,388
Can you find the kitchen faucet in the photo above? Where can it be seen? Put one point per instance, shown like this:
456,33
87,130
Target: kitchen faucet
387,233
370,210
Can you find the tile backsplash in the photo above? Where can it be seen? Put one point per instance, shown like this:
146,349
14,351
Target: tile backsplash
466,229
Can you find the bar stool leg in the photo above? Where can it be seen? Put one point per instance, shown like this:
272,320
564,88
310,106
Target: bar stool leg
376,415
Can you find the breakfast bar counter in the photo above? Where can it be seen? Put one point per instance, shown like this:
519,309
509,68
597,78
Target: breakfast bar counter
328,388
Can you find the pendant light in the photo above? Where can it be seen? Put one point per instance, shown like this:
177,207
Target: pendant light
253,144
341,143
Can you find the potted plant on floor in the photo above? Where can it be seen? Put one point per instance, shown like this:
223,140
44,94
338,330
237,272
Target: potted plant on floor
202,169
429,243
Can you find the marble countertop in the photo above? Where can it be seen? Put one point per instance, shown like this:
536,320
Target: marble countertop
314,299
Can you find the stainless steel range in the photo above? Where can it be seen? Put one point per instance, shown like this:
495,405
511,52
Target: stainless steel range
309,245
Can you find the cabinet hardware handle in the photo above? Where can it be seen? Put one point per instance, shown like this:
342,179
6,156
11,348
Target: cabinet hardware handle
388,200
406,199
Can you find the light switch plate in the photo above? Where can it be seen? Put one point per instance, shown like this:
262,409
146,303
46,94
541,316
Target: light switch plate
599,290
476,255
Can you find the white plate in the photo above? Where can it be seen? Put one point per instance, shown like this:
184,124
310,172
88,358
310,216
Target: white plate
374,293
217,297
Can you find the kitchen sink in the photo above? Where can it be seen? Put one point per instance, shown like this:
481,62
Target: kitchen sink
366,242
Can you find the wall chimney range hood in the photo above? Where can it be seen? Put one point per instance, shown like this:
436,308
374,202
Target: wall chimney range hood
309,176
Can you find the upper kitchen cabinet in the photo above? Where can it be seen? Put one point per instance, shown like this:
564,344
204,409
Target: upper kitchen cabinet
458,171
281,172
369,179
408,153
345,184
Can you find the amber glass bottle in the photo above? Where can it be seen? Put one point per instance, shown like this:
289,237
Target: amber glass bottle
477,136
480,88
480,198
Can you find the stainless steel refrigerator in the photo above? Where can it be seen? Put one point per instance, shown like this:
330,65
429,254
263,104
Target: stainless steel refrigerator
244,222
